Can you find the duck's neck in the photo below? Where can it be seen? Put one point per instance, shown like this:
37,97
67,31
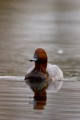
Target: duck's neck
41,67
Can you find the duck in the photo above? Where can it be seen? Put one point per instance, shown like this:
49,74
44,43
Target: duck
43,75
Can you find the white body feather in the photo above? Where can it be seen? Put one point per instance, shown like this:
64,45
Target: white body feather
56,75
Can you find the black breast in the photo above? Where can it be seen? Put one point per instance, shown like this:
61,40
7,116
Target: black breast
37,80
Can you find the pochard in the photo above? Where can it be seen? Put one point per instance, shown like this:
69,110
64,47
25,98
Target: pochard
43,75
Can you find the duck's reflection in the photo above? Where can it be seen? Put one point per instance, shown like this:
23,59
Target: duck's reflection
40,100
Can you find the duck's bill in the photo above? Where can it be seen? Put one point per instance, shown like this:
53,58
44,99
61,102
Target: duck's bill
35,58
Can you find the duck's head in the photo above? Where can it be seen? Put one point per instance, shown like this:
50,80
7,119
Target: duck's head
40,59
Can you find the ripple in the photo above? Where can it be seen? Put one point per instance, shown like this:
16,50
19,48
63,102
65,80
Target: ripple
12,77
22,78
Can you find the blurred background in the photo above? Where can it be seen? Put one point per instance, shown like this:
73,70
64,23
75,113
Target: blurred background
28,24
24,26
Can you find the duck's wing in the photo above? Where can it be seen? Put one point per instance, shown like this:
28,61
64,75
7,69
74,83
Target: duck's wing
56,75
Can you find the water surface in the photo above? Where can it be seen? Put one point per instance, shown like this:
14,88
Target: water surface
25,26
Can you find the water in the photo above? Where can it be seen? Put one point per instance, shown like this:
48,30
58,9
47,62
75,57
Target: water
16,102
24,26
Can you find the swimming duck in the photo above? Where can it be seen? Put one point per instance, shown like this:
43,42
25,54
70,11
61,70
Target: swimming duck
43,74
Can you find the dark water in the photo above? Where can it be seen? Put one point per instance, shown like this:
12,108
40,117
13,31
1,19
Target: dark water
24,26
